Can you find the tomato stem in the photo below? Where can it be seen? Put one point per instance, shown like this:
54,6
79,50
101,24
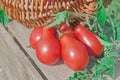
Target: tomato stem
59,34
64,16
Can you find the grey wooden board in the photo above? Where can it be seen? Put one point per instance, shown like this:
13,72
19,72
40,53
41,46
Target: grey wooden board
14,65
56,72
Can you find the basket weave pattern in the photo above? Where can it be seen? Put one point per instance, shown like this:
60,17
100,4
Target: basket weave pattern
33,13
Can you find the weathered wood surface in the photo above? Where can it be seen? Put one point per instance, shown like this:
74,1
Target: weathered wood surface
56,72
14,65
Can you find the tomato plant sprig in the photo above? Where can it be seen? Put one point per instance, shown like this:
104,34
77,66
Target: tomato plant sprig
63,16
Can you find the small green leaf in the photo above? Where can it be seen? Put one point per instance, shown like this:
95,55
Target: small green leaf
71,78
114,54
97,77
104,37
75,75
4,19
99,69
101,15
80,77
111,72
83,71
105,43
59,18
117,30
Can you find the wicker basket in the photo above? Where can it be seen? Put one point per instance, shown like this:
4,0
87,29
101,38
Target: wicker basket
33,13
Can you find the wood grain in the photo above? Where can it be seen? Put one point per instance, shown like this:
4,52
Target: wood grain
13,63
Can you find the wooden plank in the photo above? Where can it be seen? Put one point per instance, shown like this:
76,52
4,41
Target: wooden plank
56,72
14,65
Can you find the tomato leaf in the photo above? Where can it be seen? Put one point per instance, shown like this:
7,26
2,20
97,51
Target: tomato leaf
71,78
116,27
111,72
59,18
107,61
99,69
104,42
4,19
97,77
75,75
113,9
101,15
63,16
104,37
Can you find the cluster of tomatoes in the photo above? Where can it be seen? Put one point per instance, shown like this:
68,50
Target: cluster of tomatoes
74,46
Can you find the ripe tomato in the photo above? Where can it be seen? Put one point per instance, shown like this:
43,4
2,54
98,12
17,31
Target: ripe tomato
64,27
89,39
35,36
48,50
74,53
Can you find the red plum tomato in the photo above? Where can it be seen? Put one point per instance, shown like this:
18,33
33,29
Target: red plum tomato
87,37
48,50
74,53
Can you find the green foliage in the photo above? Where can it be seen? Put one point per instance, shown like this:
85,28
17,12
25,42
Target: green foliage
101,15
107,28
116,28
4,19
114,8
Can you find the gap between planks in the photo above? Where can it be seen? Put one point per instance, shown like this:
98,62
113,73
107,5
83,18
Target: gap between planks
13,63
28,57
31,60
